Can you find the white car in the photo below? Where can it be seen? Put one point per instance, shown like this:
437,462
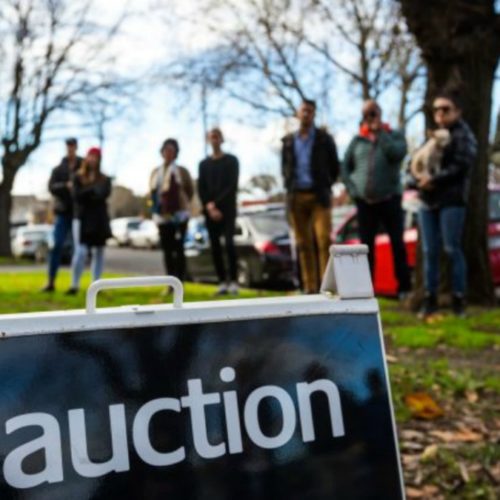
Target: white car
122,227
145,236
33,241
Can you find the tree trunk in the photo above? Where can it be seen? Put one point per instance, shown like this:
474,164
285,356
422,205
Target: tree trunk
5,209
11,162
459,43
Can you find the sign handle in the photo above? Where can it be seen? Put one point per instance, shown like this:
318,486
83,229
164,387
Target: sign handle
348,273
106,284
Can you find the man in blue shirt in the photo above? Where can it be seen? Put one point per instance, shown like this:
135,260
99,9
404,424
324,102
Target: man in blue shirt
310,166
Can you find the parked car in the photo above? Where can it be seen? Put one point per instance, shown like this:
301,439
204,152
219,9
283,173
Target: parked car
263,245
36,241
494,232
146,235
122,227
346,231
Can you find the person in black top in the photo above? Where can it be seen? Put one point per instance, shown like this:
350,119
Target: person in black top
60,186
444,197
217,188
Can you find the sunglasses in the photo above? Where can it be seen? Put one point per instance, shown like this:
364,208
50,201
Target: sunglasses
444,109
371,114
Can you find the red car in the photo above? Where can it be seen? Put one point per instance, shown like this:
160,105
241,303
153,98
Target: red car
345,230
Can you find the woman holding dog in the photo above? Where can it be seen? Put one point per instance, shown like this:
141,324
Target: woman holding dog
444,190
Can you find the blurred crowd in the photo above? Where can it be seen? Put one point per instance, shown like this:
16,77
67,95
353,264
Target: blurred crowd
370,170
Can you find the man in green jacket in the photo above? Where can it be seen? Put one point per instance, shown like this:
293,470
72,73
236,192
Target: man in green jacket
371,174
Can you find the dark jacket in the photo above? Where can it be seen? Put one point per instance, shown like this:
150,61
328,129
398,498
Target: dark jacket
91,208
58,186
324,164
371,170
218,183
451,183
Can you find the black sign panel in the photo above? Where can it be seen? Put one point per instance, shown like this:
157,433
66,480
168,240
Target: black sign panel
285,408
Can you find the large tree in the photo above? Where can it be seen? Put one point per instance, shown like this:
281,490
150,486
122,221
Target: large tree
460,43
269,54
55,58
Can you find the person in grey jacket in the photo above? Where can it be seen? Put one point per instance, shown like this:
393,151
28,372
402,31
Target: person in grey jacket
371,172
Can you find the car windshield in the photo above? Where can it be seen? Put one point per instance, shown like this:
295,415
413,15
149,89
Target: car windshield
494,211
270,224
34,235
134,224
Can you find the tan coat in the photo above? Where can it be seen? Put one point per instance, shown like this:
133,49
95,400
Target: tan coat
182,176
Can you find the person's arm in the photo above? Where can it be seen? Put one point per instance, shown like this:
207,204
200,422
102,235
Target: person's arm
57,187
393,144
347,167
202,184
334,158
232,183
188,184
464,152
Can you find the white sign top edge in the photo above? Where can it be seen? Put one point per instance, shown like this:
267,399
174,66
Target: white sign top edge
194,312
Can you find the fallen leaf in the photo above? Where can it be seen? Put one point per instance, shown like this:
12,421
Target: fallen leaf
412,434
427,491
414,492
472,396
411,446
464,472
430,452
423,406
430,490
463,436
494,472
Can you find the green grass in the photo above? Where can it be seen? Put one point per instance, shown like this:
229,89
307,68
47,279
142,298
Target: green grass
481,329
20,292
439,378
13,261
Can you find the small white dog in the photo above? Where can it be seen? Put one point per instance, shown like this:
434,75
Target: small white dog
427,160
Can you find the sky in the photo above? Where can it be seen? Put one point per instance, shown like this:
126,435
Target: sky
131,148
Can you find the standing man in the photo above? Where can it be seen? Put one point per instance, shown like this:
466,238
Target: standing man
371,172
218,187
310,167
60,186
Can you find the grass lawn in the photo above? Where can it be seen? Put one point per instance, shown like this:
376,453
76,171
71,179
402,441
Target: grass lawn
453,454
20,292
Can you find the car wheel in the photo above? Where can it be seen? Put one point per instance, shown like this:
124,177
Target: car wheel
245,278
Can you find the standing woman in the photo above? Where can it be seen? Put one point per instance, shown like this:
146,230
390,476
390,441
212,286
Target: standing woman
91,226
171,190
444,198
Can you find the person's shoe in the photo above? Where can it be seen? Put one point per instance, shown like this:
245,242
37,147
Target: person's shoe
429,306
72,291
233,288
48,288
458,305
222,290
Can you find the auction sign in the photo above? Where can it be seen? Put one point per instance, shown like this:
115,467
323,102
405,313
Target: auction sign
281,398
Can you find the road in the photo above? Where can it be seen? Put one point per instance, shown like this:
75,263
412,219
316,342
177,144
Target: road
129,261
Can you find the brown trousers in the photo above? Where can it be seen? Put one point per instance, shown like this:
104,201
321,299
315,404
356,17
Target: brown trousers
311,223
